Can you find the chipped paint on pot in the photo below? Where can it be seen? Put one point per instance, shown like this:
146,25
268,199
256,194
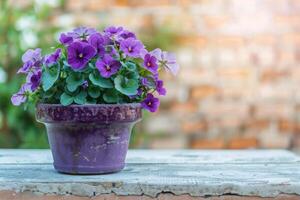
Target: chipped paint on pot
89,139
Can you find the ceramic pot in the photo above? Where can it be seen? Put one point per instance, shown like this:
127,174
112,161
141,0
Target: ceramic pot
89,139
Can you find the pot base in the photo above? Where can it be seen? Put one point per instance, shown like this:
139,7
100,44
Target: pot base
87,170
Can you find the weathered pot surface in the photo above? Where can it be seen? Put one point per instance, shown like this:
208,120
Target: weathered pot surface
89,139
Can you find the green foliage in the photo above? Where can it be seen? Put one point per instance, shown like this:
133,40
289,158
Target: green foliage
126,86
96,79
94,91
66,99
80,98
129,66
159,37
74,80
111,96
49,76
18,127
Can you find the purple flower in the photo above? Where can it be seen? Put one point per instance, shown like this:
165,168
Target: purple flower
140,91
21,96
26,67
150,103
32,55
52,58
98,42
85,84
107,66
126,34
160,87
82,32
145,81
34,79
65,39
150,63
131,47
113,30
79,54
167,60
31,59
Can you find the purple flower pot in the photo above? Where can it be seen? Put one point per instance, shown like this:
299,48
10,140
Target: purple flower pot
89,139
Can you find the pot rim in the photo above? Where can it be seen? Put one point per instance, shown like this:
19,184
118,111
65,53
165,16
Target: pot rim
87,113
90,105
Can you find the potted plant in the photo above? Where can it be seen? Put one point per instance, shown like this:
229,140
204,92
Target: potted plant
90,92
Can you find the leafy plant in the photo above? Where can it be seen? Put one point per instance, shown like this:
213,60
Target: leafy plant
18,127
93,67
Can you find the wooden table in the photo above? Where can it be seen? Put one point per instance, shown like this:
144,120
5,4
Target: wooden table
157,174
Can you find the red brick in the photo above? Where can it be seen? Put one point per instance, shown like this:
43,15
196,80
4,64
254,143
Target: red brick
204,91
224,109
196,76
207,144
291,38
98,5
264,39
287,126
184,107
272,139
287,20
192,41
242,143
257,124
149,3
229,122
235,73
273,75
229,41
194,127
168,142
121,3
213,22
268,110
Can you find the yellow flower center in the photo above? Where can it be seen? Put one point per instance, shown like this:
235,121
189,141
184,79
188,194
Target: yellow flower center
129,49
148,64
80,55
107,67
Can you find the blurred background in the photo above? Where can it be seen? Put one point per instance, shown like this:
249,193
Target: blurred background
239,78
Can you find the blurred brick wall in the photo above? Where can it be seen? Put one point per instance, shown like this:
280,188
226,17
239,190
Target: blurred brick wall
240,68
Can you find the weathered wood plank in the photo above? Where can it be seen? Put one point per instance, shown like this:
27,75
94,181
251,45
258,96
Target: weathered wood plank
197,173
164,156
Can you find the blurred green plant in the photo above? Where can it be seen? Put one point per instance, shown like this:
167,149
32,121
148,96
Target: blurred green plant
21,27
159,37
152,36
27,26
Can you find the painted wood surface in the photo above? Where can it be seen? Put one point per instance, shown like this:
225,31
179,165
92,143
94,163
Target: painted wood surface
264,173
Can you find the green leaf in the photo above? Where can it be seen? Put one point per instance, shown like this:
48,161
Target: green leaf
126,86
96,79
48,94
132,75
94,91
74,80
49,76
66,99
66,65
92,101
129,66
80,98
111,96
91,66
